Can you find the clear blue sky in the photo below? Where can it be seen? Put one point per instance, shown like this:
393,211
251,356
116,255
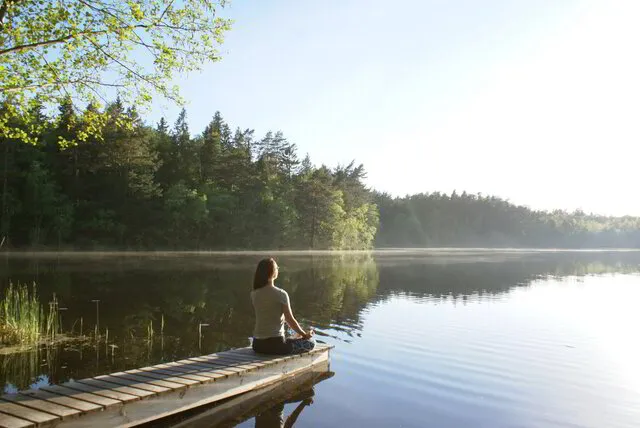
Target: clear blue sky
534,101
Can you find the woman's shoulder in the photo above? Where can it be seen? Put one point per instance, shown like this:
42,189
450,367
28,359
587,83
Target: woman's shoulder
282,295
269,290
280,290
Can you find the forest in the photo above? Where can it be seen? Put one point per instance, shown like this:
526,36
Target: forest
468,220
133,186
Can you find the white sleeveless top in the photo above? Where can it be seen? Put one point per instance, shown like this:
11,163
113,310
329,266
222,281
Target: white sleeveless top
267,304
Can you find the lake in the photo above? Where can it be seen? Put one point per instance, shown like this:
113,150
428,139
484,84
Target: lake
447,338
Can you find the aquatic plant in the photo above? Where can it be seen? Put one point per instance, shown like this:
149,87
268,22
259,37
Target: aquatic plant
22,319
52,322
21,315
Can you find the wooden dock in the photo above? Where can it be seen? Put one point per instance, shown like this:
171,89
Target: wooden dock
134,397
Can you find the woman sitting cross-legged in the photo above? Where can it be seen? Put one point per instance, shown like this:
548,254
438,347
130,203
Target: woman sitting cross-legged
272,309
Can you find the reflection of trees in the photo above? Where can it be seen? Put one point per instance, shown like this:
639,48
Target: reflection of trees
440,277
20,370
326,291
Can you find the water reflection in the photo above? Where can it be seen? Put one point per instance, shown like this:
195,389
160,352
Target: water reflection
273,406
275,417
163,307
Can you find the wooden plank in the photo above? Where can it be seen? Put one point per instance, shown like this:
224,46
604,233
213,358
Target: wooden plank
26,413
127,379
162,375
122,381
191,372
211,369
255,357
167,370
248,359
217,368
261,357
222,366
115,380
125,389
184,365
251,361
230,363
42,405
202,370
91,398
7,421
104,392
83,406
248,365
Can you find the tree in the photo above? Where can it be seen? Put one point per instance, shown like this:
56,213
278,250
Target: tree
44,205
211,149
187,210
185,162
320,207
51,50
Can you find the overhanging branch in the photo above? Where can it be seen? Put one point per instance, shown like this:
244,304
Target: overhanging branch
29,46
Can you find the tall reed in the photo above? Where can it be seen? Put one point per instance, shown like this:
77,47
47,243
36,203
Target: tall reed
52,324
21,315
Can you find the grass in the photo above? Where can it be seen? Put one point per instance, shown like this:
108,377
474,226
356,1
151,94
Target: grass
22,319
21,316
52,322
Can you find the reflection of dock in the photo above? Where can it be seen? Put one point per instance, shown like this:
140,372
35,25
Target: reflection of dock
260,403
137,396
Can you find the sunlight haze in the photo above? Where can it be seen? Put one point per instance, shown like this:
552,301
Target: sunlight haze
535,102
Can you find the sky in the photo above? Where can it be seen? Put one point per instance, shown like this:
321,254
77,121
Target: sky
537,102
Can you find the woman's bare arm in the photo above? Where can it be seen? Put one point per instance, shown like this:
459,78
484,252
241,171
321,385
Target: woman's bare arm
293,323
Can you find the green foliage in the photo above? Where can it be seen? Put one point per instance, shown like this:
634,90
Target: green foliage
89,50
21,316
22,320
167,188
440,220
141,188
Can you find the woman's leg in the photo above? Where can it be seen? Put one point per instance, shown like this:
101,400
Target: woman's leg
271,346
298,346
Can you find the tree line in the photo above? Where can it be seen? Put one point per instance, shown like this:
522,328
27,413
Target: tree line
129,185
468,220
134,186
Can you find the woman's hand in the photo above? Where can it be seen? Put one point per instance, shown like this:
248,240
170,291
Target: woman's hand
308,335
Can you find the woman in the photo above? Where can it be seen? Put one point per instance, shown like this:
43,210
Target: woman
272,308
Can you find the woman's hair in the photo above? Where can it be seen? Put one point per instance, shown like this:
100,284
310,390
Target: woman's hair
264,272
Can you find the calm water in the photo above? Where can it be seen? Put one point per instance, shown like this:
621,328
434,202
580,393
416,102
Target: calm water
484,339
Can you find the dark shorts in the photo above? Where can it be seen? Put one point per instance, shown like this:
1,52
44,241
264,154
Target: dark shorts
281,346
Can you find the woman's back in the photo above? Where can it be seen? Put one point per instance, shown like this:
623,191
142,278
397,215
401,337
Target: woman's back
267,303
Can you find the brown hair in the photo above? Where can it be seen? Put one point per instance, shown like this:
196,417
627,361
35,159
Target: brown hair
264,272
